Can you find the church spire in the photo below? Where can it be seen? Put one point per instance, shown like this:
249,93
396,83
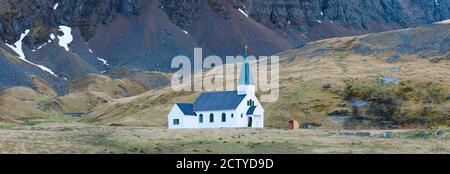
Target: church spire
246,83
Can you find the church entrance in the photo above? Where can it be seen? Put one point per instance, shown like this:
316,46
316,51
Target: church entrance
250,122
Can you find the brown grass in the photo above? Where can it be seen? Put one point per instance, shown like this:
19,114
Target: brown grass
82,138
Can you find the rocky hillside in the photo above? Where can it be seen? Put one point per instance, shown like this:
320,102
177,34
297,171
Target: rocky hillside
390,79
62,40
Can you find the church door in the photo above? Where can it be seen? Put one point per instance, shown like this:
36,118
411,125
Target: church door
250,121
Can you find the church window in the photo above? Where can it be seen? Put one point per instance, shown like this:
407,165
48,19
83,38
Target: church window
200,118
250,103
211,118
224,117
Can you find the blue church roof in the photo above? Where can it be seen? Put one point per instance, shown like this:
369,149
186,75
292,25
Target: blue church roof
215,101
186,108
251,110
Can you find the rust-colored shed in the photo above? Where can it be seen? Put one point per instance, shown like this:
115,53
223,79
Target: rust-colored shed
293,125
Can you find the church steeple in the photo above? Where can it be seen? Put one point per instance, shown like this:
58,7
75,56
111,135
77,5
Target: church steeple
246,84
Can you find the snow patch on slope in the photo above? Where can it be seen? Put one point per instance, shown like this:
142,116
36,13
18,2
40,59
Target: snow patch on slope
105,62
243,12
66,38
42,67
17,47
52,37
444,22
43,45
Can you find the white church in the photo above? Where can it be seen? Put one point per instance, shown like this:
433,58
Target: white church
226,109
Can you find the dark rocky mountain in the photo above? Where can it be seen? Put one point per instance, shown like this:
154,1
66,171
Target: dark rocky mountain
71,38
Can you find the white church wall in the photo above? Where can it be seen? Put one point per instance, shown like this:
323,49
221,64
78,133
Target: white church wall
217,121
239,119
246,89
190,122
175,114
259,112
242,110
258,118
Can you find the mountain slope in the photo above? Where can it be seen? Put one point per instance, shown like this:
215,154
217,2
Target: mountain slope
75,38
397,78
339,83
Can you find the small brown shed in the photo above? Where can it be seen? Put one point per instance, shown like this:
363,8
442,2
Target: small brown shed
293,125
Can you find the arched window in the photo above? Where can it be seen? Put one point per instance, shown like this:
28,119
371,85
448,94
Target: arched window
232,115
251,103
211,118
224,117
200,118
242,115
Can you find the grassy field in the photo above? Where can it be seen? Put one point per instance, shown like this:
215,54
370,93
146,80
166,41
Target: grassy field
83,138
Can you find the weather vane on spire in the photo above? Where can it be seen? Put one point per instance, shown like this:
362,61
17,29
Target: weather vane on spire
246,50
